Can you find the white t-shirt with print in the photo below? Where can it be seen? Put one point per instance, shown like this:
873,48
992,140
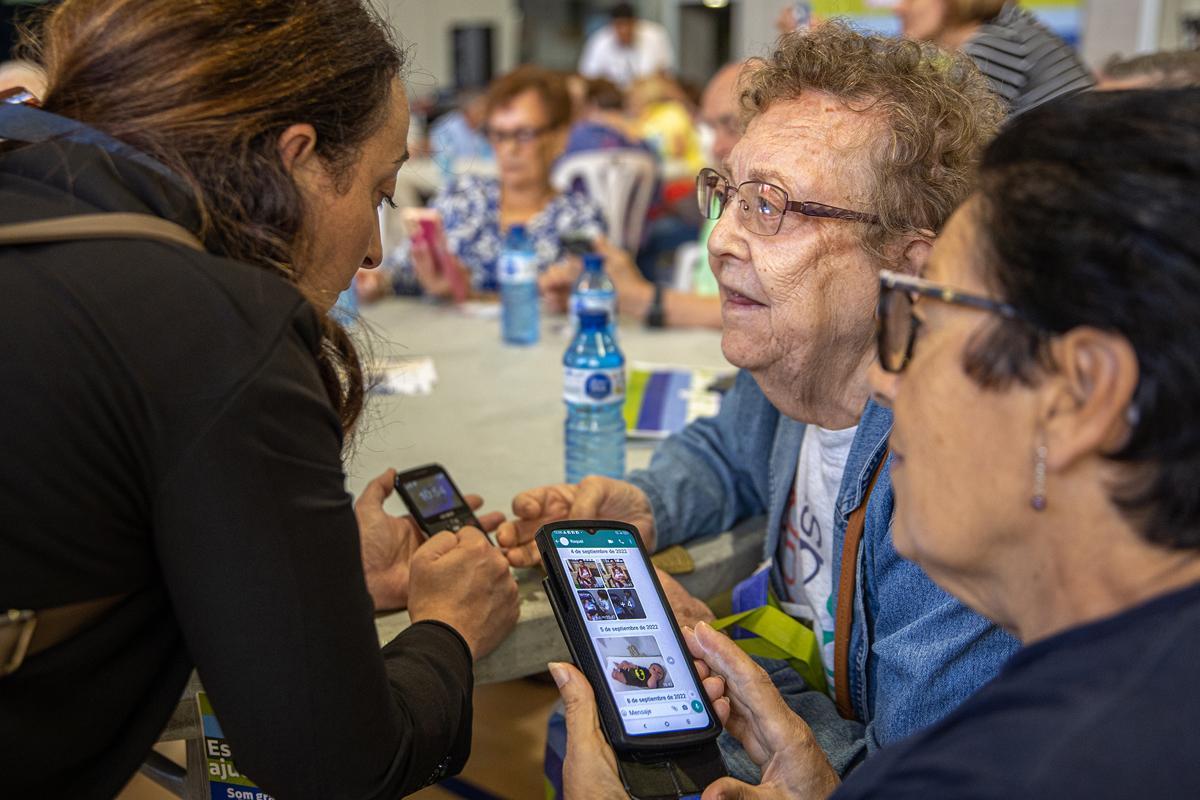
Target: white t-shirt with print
805,556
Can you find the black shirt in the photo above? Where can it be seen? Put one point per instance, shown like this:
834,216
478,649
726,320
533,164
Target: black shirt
1105,710
166,436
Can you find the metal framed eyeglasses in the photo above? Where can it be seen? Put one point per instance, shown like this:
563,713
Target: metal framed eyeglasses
760,206
522,136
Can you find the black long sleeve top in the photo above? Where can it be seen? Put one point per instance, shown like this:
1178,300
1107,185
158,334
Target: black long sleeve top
164,434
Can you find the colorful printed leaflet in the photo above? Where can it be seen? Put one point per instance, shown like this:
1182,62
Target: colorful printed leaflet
224,780
661,400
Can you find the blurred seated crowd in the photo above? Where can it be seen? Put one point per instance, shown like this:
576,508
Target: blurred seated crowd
502,152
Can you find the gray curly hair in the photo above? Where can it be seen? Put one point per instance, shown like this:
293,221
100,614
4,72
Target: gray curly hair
936,105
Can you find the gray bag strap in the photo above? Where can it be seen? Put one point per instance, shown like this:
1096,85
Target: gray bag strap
25,633
114,225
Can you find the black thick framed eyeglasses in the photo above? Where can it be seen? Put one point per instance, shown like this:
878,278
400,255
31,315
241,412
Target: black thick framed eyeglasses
760,205
896,325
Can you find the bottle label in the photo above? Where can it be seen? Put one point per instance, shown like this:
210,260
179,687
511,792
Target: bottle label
517,267
603,300
594,386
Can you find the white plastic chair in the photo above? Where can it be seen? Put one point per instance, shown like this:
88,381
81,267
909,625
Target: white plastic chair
620,180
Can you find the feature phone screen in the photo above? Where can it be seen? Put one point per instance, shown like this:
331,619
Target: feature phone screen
645,669
433,495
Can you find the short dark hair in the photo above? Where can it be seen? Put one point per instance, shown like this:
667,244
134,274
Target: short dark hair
1087,212
603,93
623,11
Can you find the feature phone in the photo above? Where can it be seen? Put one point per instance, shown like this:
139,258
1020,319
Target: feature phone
433,500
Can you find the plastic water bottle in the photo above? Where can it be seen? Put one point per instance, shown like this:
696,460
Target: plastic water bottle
594,391
594,291
517,275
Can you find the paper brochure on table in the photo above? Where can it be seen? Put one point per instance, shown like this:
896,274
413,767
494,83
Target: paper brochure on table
661,399
406,375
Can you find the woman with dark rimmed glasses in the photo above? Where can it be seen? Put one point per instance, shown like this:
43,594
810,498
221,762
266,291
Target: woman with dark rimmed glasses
1045,459
1046,454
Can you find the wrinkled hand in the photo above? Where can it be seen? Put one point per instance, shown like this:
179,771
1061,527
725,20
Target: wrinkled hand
592,498
688,610
781,743
590,768
634,292
433,282
372,284
388,542
462,580
556,282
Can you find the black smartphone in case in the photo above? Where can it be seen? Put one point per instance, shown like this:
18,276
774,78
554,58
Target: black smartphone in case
623,636
433,500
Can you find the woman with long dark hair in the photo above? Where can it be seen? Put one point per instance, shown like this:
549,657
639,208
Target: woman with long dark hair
175,406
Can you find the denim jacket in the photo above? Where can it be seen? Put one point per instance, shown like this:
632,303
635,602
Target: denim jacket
915,651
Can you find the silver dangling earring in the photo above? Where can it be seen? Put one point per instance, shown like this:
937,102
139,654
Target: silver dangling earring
1039,476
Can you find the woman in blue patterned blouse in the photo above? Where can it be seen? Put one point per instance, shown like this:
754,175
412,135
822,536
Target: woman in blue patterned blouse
528,112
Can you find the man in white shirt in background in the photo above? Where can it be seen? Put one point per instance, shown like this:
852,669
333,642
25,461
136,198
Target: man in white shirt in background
626,49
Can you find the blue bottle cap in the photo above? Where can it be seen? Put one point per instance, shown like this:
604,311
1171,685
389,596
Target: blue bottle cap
593,318
593,262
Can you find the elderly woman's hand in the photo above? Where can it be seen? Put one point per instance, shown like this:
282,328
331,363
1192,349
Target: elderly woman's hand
635,294
557,281
433,282
372,284
590,768
781,743
688,610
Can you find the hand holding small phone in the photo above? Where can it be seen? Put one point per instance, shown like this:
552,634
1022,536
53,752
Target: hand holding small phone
434,501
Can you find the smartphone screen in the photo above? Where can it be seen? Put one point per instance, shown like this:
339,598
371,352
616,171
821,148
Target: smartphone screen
643,661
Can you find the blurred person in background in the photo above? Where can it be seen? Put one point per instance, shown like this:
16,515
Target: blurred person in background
603,122
627,49
527,118
637,295
663,117
176,411
1025,63
1174,69
794,15
456,137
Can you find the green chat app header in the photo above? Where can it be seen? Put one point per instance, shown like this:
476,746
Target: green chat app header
602,538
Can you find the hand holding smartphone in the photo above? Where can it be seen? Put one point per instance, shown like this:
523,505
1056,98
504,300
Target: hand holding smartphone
425,229
622,635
